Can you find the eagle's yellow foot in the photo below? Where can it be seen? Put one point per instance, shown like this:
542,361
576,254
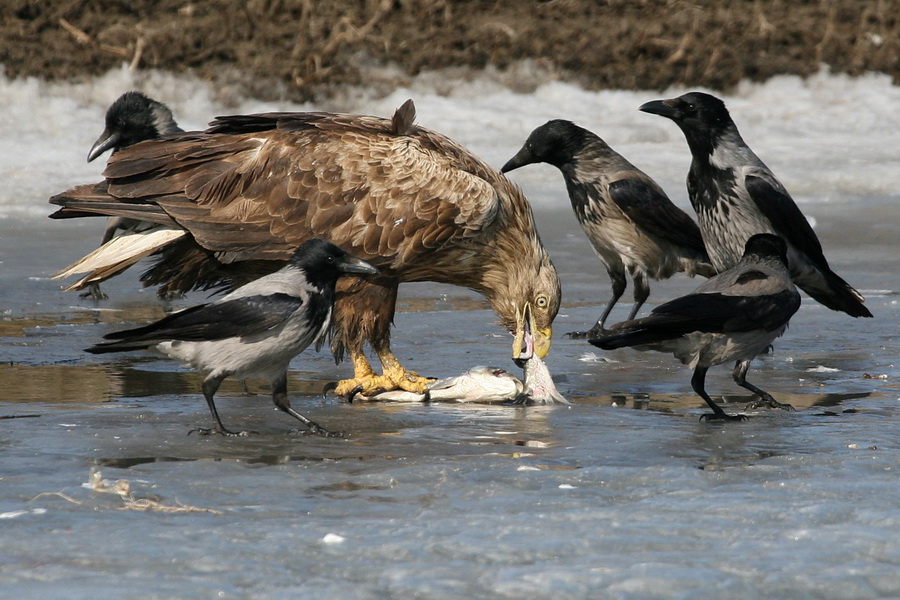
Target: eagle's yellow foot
368,383
373,384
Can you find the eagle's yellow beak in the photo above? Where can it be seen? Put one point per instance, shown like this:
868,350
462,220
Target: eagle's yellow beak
529,339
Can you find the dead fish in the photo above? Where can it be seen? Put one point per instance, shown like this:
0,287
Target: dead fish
486,385
478,384
539,386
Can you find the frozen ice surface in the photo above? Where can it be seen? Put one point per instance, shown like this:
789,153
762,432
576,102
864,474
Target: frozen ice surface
623,495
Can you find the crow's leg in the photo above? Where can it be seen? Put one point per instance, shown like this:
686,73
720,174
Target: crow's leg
641,293
93,292
210,385
765,398
698,382
280,398
617,277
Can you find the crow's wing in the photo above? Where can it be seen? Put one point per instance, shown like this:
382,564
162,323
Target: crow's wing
651,210
704,313
218,320
720,313
779,208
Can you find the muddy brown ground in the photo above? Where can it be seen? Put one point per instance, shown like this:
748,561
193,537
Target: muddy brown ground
303,49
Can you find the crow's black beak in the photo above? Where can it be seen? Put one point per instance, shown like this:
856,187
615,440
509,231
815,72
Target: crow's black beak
354,265
106,141
523,157
663,108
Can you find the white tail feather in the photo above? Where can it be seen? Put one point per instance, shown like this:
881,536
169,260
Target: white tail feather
118,254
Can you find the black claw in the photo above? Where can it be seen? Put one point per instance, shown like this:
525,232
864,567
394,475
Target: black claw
578,335
316,429
593,332
354,392
223,432
329,387
522,399
771,403
94,293
722,417
169,296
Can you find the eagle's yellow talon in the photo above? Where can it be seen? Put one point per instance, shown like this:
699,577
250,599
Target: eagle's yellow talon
371,385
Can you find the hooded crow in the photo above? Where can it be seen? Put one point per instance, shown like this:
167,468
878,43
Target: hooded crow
733,316
132,118
629,220
736,195
255,330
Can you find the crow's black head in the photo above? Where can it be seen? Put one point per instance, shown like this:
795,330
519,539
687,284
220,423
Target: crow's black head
133,118
702,117
323,261
555,142
694,109
766,245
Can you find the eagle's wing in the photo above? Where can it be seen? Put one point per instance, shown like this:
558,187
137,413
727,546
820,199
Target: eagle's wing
256,186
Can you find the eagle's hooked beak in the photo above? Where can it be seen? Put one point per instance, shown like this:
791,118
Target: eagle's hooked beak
529,339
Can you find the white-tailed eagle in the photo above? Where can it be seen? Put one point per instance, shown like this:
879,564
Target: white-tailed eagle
234,201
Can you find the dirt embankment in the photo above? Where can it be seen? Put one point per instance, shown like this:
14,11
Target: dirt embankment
302,49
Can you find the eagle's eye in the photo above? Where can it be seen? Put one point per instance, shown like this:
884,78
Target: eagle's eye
541,301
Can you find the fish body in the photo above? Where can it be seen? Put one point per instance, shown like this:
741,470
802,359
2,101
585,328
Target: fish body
487,385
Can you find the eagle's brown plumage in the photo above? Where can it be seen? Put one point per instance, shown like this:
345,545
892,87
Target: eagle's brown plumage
420,207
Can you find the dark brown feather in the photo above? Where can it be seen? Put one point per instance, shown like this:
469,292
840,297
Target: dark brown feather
404,116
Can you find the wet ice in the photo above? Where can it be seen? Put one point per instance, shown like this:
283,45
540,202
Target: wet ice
623,495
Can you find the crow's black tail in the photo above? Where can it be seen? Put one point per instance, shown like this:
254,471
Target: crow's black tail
835,293
638,336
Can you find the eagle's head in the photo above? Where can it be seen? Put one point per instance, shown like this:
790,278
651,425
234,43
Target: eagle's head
536,301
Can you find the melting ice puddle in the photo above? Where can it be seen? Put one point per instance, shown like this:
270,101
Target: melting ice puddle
593,357
18,513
